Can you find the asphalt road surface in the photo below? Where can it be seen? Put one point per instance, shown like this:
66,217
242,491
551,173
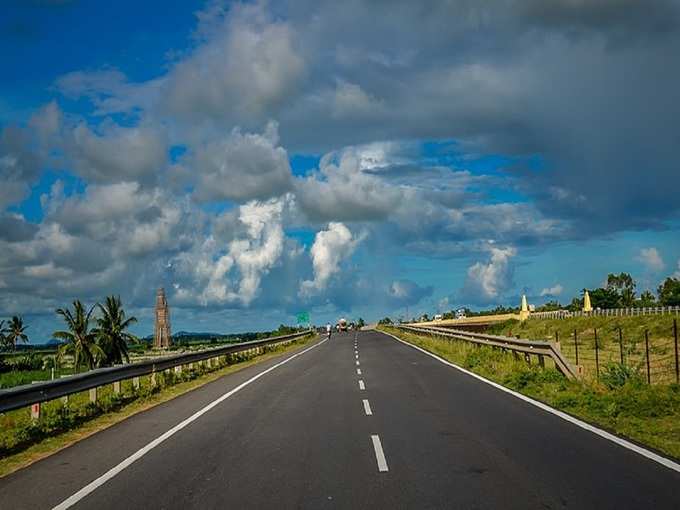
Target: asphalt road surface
360,421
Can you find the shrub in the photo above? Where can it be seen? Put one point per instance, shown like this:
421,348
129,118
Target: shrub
616,375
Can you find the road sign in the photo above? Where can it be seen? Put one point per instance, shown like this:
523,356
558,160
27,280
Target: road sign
303,318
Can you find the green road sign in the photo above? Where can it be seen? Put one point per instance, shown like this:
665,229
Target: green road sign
303,317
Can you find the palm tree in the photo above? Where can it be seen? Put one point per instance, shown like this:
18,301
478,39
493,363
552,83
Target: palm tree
80,341
15,332
3,338
111,332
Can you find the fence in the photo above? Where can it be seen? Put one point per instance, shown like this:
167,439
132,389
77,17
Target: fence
608,312
537,348
34,395
654,356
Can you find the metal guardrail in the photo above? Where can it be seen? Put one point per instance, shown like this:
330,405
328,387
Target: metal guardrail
29,394
528,347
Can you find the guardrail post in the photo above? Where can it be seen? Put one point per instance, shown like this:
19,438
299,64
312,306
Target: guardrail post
35,411
178,369
116,387
541,361
64,400
153,379
135,383
93,394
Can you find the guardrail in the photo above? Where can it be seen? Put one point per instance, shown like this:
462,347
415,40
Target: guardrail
527,347
608,312
32,394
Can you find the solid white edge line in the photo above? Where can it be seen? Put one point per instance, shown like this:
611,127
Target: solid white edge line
362,386
92,486
567,417
379,454
367,408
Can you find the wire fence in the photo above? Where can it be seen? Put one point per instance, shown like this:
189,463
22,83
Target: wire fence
608,312
654,357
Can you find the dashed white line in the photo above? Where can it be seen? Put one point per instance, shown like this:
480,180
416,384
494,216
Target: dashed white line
356,356
358,371
358,363
379,453
92,486
362,386
367,408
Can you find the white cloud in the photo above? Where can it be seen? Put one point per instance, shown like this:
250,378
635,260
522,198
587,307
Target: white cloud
117,153
555,290
244,69
651,259
330,248
242,167
485,282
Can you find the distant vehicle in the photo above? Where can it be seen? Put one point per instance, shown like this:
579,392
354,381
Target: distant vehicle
342,325
460,314
438,317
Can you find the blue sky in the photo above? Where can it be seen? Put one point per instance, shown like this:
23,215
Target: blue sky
261,158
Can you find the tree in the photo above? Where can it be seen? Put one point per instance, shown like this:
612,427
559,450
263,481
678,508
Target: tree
669,292
80,341
360,323
3,337
604,298
624,286
646,299
575,305
111,333
15,332
386,320
550,306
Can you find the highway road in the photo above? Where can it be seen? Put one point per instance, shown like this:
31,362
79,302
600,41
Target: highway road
360,421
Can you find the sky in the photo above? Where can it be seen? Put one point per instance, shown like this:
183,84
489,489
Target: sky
259,159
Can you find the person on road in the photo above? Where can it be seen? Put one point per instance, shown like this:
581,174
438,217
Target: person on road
329,329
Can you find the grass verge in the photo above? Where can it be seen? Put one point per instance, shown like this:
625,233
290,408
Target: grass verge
23,442
621,402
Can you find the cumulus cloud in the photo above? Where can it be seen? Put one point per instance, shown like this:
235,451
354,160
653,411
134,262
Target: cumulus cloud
405,292
330,248
117,153
553,291
486,282
651,259
233,275
242,167
243,70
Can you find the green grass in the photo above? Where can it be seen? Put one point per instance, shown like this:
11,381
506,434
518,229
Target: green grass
19,377
626,405
659,327
19,433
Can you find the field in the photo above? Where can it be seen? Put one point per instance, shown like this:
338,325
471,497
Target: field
621,402
618,338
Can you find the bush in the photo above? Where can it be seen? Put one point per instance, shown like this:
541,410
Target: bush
616,375
27,362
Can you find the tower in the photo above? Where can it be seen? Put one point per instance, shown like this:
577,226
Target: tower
161,337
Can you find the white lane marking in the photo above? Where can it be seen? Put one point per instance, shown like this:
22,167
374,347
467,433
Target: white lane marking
92,486
356,356
367,408
357,362
579,423
379,454
362,386
358,371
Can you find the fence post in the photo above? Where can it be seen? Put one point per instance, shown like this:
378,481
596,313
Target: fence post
576,345
621,345
649,375
597,356
675,341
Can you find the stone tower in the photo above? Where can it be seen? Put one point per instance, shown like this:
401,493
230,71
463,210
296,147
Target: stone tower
161,337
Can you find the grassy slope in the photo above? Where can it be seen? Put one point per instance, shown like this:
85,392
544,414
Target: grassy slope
23,442
647,414
660,328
